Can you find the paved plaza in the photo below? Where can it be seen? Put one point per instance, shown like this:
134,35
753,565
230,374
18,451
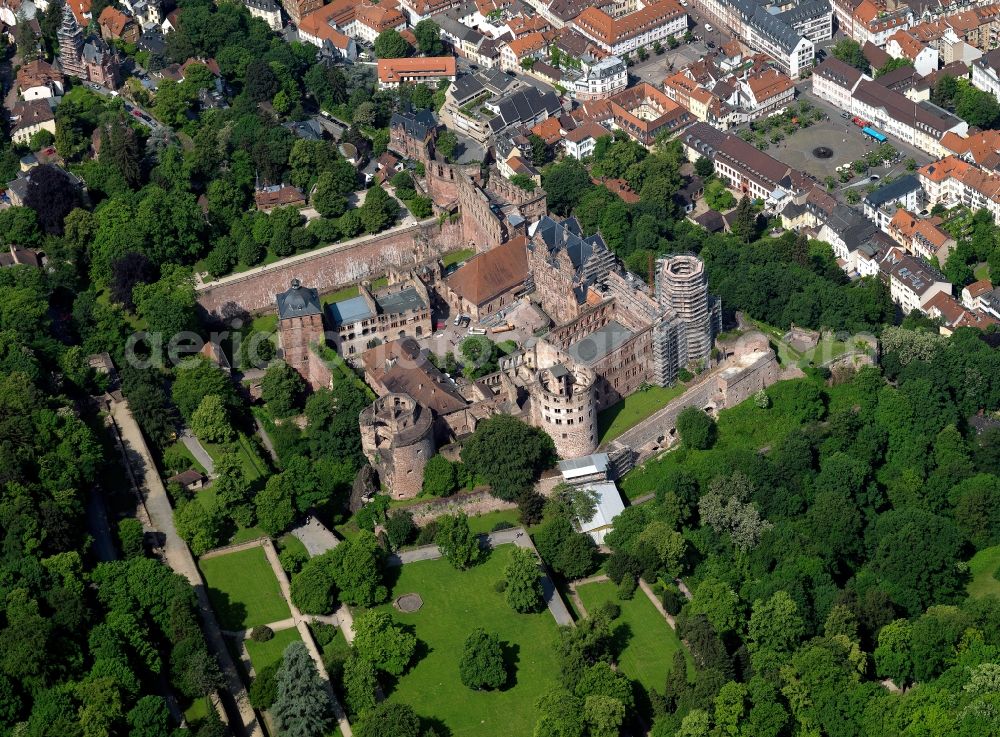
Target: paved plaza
842,136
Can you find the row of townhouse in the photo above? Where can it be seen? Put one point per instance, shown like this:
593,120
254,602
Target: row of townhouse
788,35
649,23
871,21
919,124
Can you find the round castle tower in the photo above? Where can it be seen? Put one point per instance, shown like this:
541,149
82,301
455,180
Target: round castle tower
397,436
564,406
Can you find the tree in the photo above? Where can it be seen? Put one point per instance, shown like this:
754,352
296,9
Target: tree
195,379
275,506
892,656
482,665
314,588
360,684
565,184
428,34
440,477
457,542
567,551
508,455
704,166
390,45
524,582
381,641
726,507
524,182
282,388
128,271
357,569
696,428
399,528
719,603
389,719
130,537
210,422
378,211
302,706
447,144
745,222
603,715
168,305
849,52
149,718
327,198
775,624
52,194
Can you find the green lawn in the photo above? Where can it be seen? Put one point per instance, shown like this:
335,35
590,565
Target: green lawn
199,709
339,295
632,410
178,448
251,461
455,602
982,566
290,542
485,522
262,654
243,589
982,271
455,257
267,323
650,641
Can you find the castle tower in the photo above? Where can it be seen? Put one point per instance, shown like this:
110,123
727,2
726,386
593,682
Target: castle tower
300,324
71,45
397,436
682,286
564,406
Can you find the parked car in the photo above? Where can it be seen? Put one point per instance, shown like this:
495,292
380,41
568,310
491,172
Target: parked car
845,116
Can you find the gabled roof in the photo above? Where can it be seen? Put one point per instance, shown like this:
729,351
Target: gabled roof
114,20
492,273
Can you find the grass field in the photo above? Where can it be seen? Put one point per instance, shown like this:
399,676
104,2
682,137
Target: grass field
981,567
251,461
457,256
632,410
339,295
243,589
455,602
650,641
198,710
982,271
262,654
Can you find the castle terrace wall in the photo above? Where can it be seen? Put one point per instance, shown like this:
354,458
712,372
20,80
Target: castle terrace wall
331,267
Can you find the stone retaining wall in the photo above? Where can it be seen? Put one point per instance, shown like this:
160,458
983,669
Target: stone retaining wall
331,267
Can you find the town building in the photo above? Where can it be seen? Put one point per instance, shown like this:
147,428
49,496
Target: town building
903,45
912,282
986,73
413,70
31,117
580,142
39,80
278,195
880,206
372,317
644,113
647,24
919,124
952,182
268,11
114,25
601,80
921,237
744,168
296,10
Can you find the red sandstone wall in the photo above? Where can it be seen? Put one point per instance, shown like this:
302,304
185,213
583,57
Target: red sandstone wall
331,268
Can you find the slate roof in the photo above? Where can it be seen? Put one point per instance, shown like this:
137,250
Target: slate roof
417,124
894,191
298,301
525,104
